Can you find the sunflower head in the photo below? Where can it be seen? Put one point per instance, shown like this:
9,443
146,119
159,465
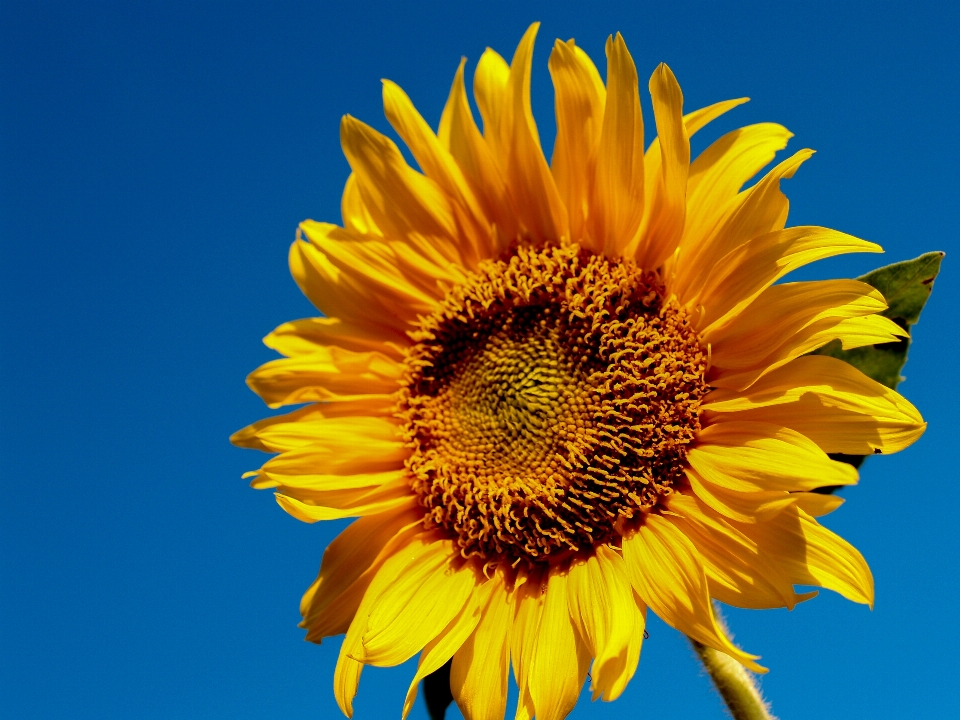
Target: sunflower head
558,394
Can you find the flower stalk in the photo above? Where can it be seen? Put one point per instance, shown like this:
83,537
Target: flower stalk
735,684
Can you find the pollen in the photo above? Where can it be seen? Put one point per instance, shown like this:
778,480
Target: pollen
549,400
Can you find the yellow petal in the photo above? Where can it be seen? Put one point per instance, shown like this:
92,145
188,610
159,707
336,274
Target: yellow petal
400,554
393,270
439,165
348,566
525,709
698,119
717,175
836,385
441,648
812,555
617,207
459,134
579,98
337,504
328,374
301,427
782,311
693,122
604,611
481,667
750,457
375,447
745,272
852,332
756,211
416,607
743,506
550,660
356,216
541,213
350,297
818,504
667,573
315,489
666,192
490,89
306,336
737,571
403,203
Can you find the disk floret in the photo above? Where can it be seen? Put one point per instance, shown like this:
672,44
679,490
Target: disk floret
549,398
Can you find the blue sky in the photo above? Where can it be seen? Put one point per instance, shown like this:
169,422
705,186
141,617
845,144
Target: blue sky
154,161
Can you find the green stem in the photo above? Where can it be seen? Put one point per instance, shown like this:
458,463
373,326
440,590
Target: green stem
735,684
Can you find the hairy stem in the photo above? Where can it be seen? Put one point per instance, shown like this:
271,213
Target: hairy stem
734,683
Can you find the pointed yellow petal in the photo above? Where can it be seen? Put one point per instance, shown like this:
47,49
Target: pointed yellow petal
356,216
371,446
346,678
666,191
439,165
399,554
756,506
836,385
693,122
403,203
782,311
324,489
698,119
818,504
749,457
541,213
748,506
756,211
745,272
551,661
306,336
441,648
579,98
604,611
526,627
812,555
316,425
328,374
356,300
459,134
348,566
375,285
490,89
337,504
717,175
737,571
852,332
394,271
416,607
525,709
481,667
617,207
668,574
306,426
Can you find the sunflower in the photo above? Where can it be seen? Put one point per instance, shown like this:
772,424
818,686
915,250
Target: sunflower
557,395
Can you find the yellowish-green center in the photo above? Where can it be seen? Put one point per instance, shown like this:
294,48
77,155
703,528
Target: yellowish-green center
549,399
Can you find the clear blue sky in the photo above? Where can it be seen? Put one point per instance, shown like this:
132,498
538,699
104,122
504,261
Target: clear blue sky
154,161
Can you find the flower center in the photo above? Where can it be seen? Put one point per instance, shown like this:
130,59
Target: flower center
551,397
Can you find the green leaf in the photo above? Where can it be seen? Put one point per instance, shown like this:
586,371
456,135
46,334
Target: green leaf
436,692
906,287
